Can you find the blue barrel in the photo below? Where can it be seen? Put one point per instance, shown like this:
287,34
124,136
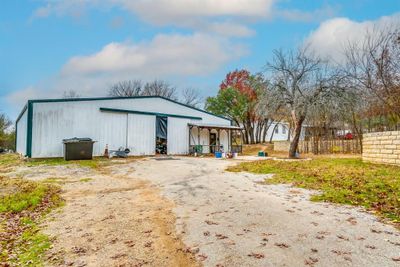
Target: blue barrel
218,155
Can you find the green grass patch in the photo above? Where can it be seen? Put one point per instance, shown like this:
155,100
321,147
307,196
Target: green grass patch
85,180
22,242
32,247
344,180
8,161
94,163
22,195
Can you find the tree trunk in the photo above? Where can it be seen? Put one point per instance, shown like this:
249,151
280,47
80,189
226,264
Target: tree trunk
296,138
273,132
260,127
265,130
250,132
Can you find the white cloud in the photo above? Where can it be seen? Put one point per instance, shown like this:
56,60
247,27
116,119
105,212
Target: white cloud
173,11
163,57
330,38
165,11
200,15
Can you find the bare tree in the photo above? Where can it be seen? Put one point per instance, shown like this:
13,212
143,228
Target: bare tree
6,134
160,88
71,94
373,68
191,97
126,88
299,79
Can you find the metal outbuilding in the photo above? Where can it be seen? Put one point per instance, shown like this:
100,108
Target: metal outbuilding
116,122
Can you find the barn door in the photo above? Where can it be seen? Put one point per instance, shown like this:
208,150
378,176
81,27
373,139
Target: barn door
161,135
178,136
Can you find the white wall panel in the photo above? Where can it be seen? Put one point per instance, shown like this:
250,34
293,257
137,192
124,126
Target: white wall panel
141,134
21,133
224,140
178,136
111,131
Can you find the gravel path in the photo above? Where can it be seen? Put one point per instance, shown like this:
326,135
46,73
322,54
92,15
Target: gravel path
231,220
110,218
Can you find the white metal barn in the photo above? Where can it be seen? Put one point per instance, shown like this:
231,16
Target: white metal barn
128,122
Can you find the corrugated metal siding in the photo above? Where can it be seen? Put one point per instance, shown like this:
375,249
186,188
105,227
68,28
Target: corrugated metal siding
141,134
21,134
111,132
178,136
55,121
52,124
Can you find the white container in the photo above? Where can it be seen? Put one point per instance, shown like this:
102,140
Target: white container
235,154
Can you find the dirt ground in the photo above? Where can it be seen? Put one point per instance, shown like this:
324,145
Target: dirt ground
110,218
189,212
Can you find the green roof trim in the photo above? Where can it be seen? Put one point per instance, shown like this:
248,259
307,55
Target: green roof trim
119,98
148,113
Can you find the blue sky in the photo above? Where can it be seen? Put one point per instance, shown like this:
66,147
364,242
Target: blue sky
48,47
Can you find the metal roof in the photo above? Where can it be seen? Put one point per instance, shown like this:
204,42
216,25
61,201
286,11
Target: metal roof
112,98
214,126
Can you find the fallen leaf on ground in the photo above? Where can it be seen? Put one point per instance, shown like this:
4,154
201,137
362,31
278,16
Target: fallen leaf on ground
202,257
78,250
343,237
282,245
119,255
256,255
310,261
220,236
148,244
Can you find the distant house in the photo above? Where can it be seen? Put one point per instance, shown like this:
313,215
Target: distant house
279,131
137,123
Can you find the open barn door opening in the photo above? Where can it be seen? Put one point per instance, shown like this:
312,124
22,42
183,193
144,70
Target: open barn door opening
161,135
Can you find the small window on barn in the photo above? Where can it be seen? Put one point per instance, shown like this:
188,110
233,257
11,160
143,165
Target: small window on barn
277,129
284,129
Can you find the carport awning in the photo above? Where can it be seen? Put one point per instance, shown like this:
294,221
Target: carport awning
214,126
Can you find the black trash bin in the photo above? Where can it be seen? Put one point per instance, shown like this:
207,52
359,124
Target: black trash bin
78,148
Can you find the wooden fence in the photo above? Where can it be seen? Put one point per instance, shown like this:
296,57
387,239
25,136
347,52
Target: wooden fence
330,146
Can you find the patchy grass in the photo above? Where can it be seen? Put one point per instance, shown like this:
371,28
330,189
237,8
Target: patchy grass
21,195
252,150
94,163
8,161
85,180
341,180
33,246
23,204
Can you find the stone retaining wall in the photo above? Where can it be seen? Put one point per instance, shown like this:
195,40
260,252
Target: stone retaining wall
382,147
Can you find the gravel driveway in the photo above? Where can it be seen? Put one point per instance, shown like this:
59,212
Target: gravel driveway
229,219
